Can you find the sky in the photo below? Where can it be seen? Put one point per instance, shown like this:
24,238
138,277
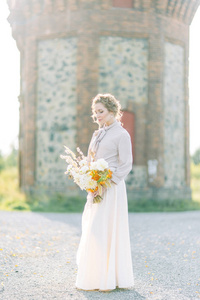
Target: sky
10,84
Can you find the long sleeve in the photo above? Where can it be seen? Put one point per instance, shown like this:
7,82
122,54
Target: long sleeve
124,159
89,148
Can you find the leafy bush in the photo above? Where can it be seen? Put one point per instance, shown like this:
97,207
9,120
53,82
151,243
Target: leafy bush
2,162
10,160
196,157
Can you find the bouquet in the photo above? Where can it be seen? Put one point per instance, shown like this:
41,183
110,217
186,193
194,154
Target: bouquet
90,176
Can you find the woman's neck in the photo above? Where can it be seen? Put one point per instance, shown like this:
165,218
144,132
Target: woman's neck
110,123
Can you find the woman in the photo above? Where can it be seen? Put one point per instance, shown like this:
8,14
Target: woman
104,254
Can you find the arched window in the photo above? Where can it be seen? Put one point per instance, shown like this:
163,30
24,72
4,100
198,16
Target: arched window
123,3
128,122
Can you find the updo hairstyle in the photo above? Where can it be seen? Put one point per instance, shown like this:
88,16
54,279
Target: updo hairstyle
110,102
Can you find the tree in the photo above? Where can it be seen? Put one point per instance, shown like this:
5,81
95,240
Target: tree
10,160
2,161
196,157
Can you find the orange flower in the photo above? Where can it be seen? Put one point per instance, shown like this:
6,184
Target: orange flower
102,182
95,175
92,190
109,174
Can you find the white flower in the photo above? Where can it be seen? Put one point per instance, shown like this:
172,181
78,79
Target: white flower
77,178
83,162
69,168
84,169
86,182
73,172
93,165
92,184
84,179
101,164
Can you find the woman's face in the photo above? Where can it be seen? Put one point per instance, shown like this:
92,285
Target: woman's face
103,115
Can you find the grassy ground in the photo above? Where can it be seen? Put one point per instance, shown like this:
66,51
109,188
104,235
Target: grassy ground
11,198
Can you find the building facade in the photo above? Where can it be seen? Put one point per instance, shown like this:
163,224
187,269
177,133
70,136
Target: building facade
136,50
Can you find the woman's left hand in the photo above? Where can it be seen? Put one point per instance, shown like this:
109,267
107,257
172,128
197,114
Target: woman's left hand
97,192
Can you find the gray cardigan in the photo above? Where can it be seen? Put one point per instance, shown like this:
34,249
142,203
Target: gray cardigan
113,143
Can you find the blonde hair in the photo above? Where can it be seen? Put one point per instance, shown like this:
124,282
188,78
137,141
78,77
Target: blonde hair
110,102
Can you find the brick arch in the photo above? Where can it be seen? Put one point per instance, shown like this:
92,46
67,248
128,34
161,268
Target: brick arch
128,121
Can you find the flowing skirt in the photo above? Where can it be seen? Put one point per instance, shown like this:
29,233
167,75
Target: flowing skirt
104,254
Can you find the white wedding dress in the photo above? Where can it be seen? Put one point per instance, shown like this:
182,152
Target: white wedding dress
104,254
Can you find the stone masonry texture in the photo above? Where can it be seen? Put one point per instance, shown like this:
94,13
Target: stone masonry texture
174,122
56,108
73,49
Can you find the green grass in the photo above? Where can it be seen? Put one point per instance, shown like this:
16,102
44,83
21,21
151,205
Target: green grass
11,198
163,205
195,182
56,203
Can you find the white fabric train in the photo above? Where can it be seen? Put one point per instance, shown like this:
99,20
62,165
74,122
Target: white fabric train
104,254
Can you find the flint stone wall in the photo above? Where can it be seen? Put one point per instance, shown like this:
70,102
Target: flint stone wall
174,112
56,109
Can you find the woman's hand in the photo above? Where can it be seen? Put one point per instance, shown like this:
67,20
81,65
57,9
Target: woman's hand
97,192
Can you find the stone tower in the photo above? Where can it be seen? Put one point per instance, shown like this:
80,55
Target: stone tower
134,49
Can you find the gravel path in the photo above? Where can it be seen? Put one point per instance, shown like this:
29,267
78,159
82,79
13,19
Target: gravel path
38,251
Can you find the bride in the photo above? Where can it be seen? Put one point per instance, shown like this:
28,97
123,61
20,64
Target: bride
104,254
